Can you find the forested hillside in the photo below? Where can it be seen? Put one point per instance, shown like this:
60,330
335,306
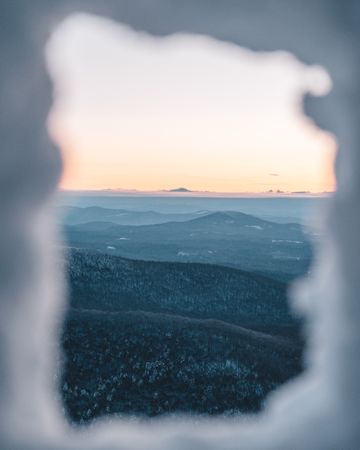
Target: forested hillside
104,282
149,338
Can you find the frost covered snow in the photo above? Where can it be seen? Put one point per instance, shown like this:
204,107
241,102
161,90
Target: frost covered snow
319,410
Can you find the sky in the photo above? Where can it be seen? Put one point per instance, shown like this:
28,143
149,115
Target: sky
133,111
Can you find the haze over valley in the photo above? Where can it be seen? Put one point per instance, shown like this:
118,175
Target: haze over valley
170,297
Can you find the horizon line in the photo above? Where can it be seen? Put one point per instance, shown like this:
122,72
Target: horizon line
183,192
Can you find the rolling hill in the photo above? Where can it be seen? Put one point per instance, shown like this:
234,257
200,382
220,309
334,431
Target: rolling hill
73,215
234,239
148,338
110,283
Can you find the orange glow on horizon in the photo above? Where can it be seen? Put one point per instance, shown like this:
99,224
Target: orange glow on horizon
100,174
145,113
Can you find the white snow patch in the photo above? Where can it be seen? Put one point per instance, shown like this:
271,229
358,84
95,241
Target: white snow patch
257,227
286,240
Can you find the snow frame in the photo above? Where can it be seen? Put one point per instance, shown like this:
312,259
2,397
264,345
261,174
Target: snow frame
320,409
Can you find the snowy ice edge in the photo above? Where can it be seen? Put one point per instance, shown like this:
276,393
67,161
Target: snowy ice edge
316,411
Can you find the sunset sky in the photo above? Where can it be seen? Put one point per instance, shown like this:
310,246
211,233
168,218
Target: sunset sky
138,112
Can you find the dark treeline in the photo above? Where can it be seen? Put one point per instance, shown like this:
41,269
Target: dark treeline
149,338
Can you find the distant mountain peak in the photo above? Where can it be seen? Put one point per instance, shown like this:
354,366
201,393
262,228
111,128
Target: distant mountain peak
180,189
231,217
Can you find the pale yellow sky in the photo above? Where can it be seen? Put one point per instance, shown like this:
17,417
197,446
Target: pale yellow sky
134,111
